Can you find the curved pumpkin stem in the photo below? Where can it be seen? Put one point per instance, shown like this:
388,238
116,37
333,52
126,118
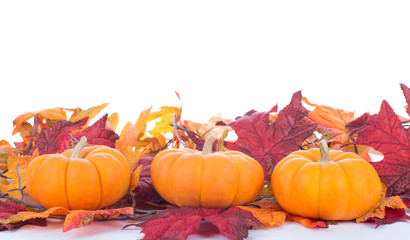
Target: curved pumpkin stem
324,152
78,147
209,142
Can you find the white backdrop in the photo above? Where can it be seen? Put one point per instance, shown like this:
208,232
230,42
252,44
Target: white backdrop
220,56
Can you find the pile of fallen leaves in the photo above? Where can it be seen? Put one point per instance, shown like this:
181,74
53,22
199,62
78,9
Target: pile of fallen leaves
266,136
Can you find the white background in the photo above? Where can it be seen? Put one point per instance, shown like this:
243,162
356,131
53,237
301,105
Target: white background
220,56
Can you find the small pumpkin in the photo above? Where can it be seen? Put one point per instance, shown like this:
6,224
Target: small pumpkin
80,178
191,178
328,185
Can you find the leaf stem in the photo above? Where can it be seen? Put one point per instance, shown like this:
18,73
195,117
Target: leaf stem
33,135
78,147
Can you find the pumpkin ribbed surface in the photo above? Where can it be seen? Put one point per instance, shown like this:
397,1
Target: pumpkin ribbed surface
343,188
99,177
188,178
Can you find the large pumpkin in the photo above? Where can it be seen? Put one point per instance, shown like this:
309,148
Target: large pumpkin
191,178
323,184
82,178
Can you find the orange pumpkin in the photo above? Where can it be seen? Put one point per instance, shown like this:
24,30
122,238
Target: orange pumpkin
80,178
191,178
328,185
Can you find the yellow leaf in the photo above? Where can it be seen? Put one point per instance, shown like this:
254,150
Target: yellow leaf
165,115
16,166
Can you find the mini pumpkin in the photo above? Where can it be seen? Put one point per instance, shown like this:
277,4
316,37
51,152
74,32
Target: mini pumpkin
191,178
328,185
80,178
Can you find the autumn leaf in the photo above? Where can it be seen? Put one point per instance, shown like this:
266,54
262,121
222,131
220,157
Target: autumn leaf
16,174
267,217
180,222
308,222
135,176
145,190
165,118
82,218
234,223
56,139
216,126
264,141
388,211
112,121
406,92
88,113
98,134
51,114
8,209
385,133
331,122
271,214
73,219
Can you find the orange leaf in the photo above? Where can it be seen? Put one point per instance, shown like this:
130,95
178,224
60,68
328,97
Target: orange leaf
51,114
112,121
331,122
307,222
135,177
90,113
268,218
82,218
74,219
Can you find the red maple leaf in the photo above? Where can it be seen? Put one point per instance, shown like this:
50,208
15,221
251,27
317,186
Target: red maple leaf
385,133
180,222
98,134
10,208
262,140
56,139
406,92
392,215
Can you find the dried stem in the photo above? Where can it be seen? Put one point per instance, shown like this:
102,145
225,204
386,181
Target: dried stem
34,134
23,197
354,145
75,140
186,130
176,135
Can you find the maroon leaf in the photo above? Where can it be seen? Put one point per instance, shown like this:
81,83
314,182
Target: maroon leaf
56,139
406,92
234,223
98,134
262,140
392,215
10,208
385,133
145,190
180,222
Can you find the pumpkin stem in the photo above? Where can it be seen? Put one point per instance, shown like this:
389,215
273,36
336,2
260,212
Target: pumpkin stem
78,147
209,142
324,152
